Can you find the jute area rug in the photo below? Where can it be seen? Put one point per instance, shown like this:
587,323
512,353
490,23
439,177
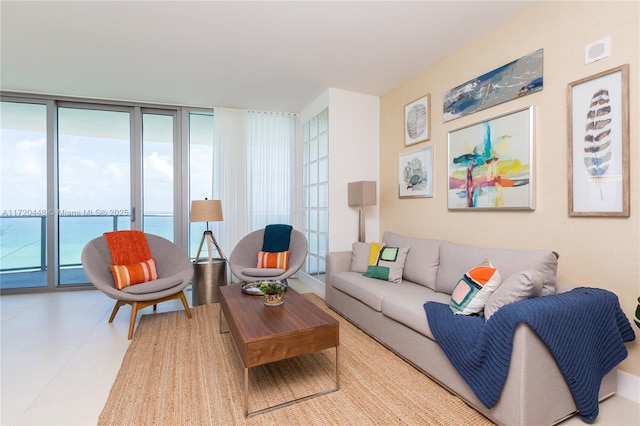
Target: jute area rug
180,371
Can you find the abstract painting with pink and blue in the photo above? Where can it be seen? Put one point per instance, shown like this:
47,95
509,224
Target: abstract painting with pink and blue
490,164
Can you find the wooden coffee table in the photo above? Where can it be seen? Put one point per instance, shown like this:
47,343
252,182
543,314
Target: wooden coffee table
265,334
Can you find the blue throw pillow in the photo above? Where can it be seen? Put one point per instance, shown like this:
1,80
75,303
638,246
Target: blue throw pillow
276,238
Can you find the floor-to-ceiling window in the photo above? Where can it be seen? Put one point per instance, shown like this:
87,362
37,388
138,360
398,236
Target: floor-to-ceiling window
23,194
72,170
94,181
315,192
158,142
201,154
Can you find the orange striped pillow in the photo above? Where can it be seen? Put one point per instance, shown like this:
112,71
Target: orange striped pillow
278,260
137,273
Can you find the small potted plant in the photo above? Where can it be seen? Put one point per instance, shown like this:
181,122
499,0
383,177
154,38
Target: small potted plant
273,292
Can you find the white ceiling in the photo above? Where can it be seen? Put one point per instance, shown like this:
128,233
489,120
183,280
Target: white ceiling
275,56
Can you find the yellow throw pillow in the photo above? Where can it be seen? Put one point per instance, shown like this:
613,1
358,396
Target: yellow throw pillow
374,253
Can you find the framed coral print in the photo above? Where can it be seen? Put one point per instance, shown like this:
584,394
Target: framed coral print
417,121
491,164
598,126
416,174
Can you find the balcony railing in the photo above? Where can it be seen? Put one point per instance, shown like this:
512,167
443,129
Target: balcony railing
23,245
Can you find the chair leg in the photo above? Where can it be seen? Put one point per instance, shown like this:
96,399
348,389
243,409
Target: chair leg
115,309
136,306
132,322
185,304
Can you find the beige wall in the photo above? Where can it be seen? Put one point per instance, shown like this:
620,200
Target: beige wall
599,252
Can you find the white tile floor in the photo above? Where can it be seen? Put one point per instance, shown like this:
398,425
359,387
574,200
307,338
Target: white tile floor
60,356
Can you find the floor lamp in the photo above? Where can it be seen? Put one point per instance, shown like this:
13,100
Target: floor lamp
207,211
362,193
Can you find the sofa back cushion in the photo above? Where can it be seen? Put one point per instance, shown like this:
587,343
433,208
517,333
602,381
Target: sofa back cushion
421,264
456,259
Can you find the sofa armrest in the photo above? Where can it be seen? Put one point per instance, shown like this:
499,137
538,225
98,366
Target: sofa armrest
338,261
534,375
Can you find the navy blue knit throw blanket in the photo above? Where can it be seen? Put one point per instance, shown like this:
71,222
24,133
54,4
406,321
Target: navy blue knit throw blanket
585,330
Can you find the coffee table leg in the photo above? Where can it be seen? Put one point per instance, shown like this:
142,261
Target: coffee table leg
337,367
290,402
246,392
220,316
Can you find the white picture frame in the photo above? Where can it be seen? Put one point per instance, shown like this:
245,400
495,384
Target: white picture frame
415,174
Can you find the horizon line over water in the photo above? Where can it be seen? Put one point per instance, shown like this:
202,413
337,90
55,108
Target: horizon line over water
22,246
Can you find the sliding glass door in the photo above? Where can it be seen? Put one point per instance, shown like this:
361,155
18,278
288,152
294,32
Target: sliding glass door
158,133
23,195
72,170
94,181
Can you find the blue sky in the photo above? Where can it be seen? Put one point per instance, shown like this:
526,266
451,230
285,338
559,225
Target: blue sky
94,171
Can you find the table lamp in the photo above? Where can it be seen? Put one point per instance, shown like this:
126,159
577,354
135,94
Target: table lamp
362,193
207,211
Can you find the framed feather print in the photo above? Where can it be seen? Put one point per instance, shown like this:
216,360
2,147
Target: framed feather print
598,126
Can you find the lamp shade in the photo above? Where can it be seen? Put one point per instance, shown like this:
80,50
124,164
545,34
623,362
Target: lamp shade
362,193
206,211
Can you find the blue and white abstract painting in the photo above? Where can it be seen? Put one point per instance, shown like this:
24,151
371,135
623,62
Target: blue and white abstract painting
519,78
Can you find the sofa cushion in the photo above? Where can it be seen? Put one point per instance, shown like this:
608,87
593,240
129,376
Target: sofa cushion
456,259
361,255
474,288
389,264
369,291
421,265
519,286
406,306
263,272
154,286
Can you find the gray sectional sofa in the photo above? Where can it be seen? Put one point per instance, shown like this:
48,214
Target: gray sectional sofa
535,392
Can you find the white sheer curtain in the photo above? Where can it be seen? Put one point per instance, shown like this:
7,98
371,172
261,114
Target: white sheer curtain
252,171
270,146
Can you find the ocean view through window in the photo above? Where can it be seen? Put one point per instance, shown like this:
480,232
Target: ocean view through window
23,187
92,155
72,169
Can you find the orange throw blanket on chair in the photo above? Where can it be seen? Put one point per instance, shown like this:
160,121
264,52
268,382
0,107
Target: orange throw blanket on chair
131,257
127,247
